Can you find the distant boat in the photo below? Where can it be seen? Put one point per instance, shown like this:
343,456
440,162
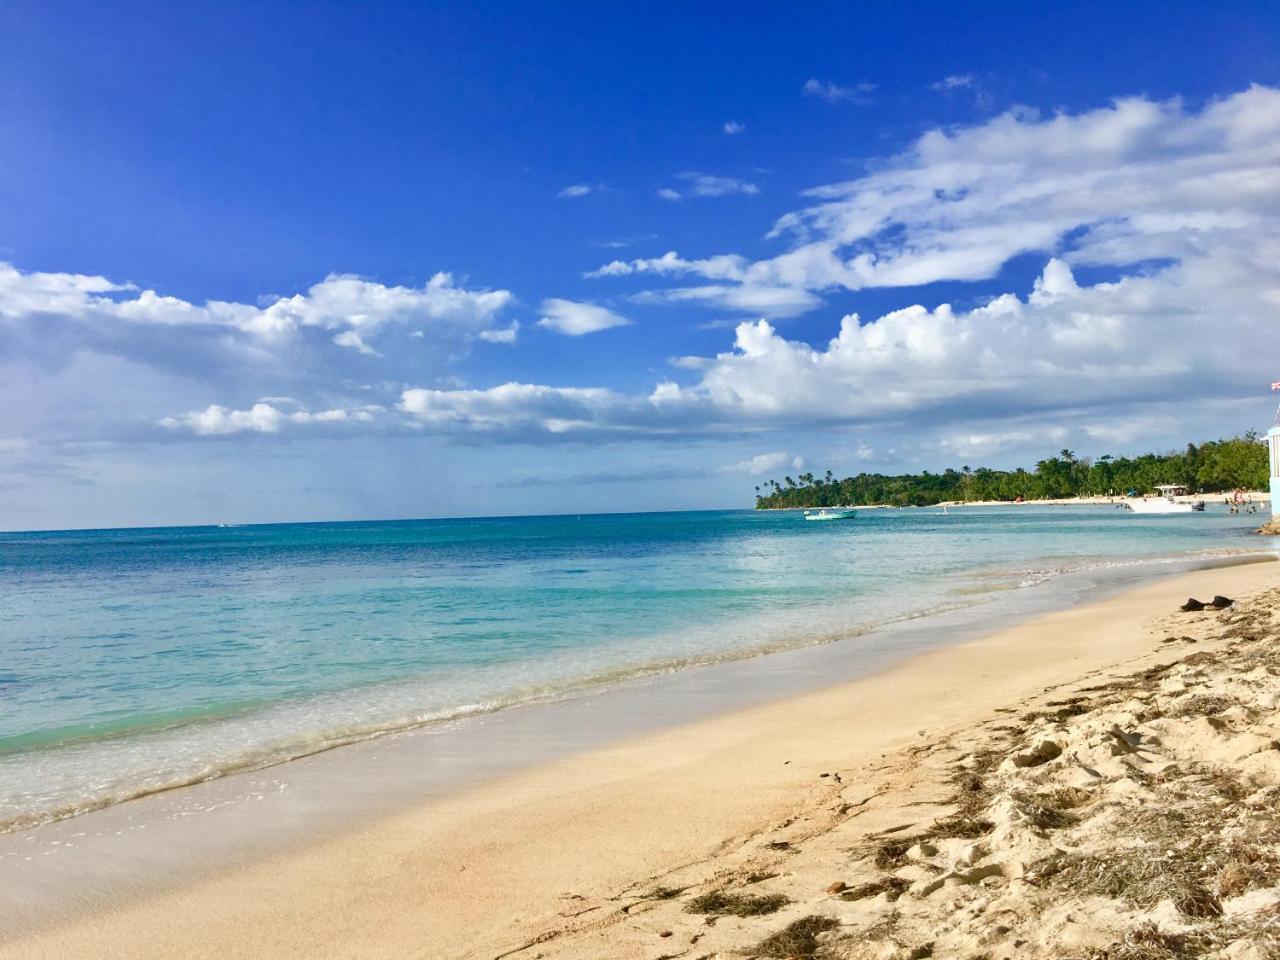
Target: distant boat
828,514
1165,502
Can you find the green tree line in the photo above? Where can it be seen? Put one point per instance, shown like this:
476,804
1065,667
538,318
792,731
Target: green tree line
1215,466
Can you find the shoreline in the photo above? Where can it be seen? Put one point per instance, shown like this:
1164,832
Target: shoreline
948,615
592,820
1261,498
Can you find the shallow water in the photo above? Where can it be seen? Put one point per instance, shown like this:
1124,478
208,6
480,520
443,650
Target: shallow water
133,660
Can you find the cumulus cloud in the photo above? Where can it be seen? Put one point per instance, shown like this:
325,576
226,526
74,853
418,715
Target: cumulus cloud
262,417
575,190
523,406
733,127
352,309
728,267
955,81
667,193
970,443
575,319
1136,182
761,300
502,334
859,93
1157,228
764,463
359,308
1133,181
1063,348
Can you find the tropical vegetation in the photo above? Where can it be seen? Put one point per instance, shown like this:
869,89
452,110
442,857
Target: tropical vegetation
1215,466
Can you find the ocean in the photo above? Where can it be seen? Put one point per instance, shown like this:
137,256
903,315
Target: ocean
136,660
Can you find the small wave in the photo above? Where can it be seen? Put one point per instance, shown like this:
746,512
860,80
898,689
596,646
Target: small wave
297,747
282,749
1030,577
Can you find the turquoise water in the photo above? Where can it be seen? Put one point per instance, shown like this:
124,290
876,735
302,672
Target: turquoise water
133,660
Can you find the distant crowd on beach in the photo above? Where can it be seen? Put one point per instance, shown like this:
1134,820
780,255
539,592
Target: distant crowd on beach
1240,501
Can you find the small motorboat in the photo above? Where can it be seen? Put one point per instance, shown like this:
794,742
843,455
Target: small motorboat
827,513
1165,502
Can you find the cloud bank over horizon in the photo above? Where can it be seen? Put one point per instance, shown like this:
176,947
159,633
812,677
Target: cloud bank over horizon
1154,229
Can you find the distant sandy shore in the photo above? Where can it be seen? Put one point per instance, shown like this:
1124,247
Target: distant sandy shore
987,796
1260,497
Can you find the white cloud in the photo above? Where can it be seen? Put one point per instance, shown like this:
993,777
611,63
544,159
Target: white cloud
262,417
353,309
1135,181
576,319
512,406
988,443
706,185
859,93
730,267
758,300
1177,210
738,296
953,82
575,190
353,305
621,242
24,294
501,335
733,127
766,463
1062,348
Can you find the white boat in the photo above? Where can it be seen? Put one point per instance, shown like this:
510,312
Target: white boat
827,513
1165,502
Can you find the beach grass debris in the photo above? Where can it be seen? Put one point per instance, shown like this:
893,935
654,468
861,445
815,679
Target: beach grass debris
893,853
962,826
1199,705
1224,785
1139,875
892,887
1148,942
797,940
663,893
725,902
1043,811
1170,855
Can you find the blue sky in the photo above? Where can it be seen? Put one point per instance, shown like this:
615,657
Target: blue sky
309,261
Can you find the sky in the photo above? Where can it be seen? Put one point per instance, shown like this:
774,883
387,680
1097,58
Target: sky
279,262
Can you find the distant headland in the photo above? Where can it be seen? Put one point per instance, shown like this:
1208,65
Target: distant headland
1239,463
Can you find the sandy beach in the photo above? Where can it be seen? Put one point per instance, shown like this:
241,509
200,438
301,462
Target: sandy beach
1258,499
797,809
